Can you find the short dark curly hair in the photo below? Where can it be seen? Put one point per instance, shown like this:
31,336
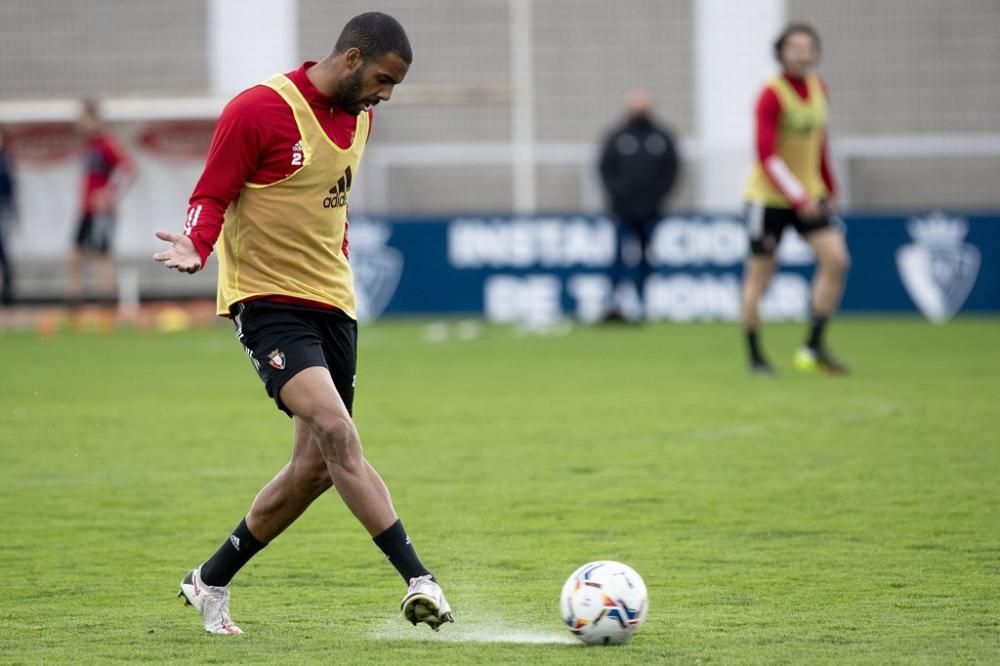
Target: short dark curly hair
374,34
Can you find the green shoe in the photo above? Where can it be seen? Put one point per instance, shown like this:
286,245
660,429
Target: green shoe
811,360
805,360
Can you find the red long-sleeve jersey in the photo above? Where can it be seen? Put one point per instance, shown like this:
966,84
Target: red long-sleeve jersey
105,165
257,141
768,114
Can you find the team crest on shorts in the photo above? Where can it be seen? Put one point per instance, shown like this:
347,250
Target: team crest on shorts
276,359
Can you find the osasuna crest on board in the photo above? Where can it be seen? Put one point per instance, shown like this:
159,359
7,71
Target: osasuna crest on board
938,269
377,267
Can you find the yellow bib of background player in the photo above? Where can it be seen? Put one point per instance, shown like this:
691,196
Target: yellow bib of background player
800,144
286,238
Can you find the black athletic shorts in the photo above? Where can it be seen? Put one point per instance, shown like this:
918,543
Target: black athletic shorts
282,340
94,232
766,225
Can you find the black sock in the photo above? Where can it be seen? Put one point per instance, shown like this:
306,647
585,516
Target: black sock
753,347
815,340
231,556
397,547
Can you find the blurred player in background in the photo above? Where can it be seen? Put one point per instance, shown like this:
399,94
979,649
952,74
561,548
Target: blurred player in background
792,185
276,185
638,169
107,172
8,215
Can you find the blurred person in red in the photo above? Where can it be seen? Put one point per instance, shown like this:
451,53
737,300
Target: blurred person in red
107,172
792,185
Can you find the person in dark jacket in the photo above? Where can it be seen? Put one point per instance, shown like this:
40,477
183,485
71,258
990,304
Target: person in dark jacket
639,168
8,212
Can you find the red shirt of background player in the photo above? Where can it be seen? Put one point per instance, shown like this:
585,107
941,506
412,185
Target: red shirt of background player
768,115
103,160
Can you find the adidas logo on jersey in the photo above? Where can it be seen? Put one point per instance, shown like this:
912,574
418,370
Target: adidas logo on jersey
297,154
339,192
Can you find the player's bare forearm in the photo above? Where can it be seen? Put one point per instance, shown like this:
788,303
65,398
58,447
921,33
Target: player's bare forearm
181,255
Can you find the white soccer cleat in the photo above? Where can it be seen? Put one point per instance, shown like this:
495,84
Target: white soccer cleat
212,602
425,602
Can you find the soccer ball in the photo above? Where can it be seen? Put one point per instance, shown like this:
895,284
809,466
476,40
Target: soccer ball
604,603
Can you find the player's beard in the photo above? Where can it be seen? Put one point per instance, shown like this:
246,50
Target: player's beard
349,93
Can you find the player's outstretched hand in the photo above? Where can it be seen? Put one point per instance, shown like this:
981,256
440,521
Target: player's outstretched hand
181,255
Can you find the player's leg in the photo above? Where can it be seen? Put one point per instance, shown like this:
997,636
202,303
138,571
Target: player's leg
757,274
764,228
74,285
77,258
292,490
833,262
281,344
644,233
103,231
262,330
617,272
323,399
108,289
106,275
274,509
313,398
6,271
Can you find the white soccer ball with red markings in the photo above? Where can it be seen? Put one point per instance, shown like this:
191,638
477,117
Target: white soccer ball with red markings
604,603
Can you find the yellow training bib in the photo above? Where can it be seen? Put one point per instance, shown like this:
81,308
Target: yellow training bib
801,129
286,238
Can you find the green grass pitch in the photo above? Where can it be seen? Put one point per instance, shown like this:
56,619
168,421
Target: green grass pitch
800,519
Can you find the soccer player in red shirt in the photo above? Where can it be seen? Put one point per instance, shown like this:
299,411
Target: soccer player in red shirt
276,187
792,185
107,172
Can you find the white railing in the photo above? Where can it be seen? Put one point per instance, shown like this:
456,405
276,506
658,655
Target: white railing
382,157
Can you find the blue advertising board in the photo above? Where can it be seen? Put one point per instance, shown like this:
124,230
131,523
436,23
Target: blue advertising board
511,268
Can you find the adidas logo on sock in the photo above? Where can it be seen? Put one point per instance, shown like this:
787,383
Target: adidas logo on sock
235,540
